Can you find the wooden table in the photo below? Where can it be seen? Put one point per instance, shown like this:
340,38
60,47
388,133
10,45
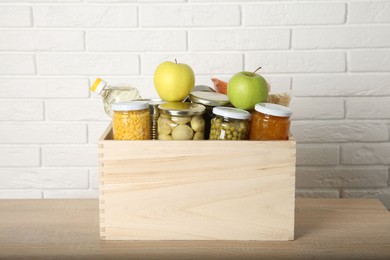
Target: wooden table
69,229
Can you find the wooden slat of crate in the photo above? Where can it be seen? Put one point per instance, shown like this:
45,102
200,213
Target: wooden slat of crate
196,190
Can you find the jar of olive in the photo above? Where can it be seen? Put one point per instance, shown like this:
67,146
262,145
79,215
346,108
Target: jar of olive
180,121
209,100
230,124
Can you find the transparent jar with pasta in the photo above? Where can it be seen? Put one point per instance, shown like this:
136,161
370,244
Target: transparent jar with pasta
131,121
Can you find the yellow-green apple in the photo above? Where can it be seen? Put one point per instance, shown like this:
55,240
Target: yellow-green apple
173,81
246,89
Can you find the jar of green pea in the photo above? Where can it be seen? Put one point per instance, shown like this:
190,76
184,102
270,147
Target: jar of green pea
230,124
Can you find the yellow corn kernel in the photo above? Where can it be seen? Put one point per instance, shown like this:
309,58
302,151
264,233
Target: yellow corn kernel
131,125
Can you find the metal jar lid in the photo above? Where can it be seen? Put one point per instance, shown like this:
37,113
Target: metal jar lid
153,102
213,99
181,109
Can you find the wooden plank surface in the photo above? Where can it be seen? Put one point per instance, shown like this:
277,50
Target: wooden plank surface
69,229
197,190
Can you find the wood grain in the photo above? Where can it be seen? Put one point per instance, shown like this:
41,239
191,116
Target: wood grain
197,190
69,229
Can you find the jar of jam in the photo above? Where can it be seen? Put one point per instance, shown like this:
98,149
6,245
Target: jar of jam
209,100
180,121
131,120
270,122
230,124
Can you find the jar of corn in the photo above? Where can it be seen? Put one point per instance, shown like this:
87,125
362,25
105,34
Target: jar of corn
131,120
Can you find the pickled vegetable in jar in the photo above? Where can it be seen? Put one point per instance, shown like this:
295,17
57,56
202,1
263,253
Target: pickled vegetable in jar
131,121
180,121
230,124
209,100
270,122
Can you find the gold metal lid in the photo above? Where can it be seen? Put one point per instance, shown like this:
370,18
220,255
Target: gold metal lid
181,109
213,99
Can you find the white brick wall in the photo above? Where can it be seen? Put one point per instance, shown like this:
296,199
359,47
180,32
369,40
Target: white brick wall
333,57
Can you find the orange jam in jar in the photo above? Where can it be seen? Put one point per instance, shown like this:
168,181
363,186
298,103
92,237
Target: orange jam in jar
270,122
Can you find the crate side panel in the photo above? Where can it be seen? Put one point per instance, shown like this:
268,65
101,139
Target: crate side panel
198,190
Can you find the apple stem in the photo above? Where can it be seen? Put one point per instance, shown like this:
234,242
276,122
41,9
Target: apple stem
175,61
253,74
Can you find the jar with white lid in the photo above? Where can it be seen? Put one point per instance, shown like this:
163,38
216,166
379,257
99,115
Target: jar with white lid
209,100
131,120
180,121
230,124
270,122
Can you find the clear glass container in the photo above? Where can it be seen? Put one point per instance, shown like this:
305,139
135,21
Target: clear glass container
230,124
131,121
209,100
270,122
180,121
154,115
114,94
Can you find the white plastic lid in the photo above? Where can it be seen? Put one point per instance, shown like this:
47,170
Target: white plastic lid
98,86
232,112
129,106
273,109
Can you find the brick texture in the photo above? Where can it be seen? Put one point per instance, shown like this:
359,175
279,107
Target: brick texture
15,16
85,16
369,12
19,156
21,111
370,60
294,14
189,15
17,64
24,40
248,39
87,64
296,62
43,179
332,57
137,40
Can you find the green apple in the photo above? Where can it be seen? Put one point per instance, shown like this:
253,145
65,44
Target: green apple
173,81
246,89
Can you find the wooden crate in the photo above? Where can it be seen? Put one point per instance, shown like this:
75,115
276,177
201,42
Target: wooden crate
196,190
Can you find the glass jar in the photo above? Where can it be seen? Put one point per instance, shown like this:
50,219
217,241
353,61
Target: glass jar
154,115
230,124
131,121
114,94
209,100
180,121
270,122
